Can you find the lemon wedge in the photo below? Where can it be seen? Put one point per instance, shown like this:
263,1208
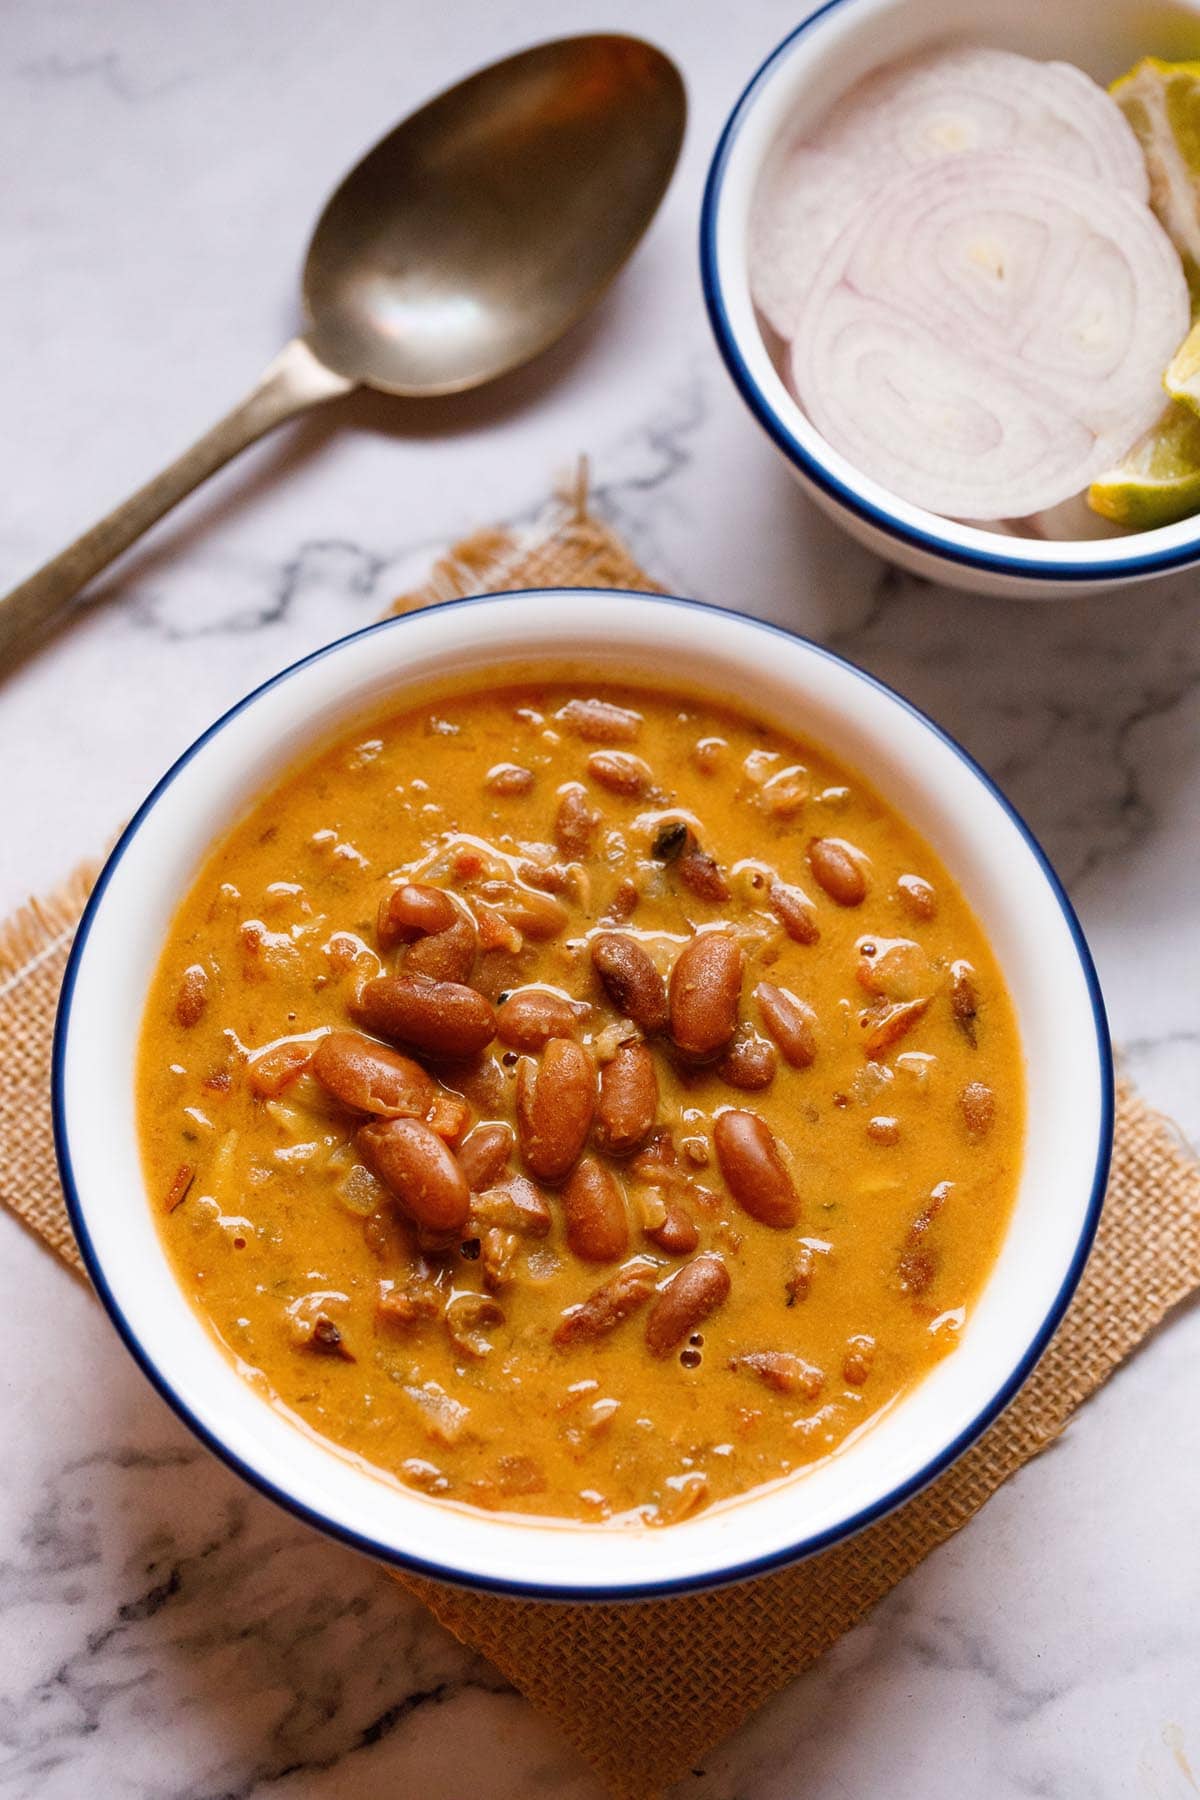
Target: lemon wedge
1182,379
1161,101
1158,481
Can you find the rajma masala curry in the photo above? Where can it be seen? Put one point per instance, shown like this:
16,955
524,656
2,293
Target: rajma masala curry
579,1101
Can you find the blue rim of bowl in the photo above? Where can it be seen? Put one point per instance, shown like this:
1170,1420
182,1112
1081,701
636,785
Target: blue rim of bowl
1154,562
415,1564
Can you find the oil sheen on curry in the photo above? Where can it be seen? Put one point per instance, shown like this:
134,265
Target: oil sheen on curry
578,1101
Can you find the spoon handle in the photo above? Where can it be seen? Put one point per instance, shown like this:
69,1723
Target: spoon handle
291,384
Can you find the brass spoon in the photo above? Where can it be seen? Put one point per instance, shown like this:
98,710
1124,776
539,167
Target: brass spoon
462,245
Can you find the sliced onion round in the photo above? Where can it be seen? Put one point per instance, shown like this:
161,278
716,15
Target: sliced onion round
951,103
799,211
969,98
983,341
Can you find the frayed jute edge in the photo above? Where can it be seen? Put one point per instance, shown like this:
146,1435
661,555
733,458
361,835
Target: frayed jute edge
565,546
35,942
45,923
494,552
487,560
51,1234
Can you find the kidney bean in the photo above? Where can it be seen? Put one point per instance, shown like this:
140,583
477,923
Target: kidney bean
536,914
677,1234
628,1100
631,981
484,1153
528,1019
508,778
411,911
709,754
620,773
884,1130
795,912
918,896
791,1022
600,721
594,1211
370,1078
191,997
606,1307
411,1160
689,1297
782,1371
749,1063
964,999
446,955
838,871
623,904
268,1073
442,1018
977,1103
480,1079
702,874
754,1170
887,1027
856,1364
555,1103
703,996
575,821
512,1205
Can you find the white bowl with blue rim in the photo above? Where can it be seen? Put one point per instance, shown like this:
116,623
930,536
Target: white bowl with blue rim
823,57
781,679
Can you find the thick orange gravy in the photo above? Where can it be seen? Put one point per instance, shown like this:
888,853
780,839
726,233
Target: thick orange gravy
579,1101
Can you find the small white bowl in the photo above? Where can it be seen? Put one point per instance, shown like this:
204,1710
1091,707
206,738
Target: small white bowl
838,44
789,682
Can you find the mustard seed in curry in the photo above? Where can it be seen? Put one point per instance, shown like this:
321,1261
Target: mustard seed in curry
575,1102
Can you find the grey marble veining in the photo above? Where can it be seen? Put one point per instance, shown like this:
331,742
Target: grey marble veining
165,1633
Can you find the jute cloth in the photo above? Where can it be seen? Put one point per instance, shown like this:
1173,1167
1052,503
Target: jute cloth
645,1689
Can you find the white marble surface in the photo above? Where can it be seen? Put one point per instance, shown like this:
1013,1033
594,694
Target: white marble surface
165,1633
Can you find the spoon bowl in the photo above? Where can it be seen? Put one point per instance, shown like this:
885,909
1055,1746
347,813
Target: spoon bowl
480,229
466,242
